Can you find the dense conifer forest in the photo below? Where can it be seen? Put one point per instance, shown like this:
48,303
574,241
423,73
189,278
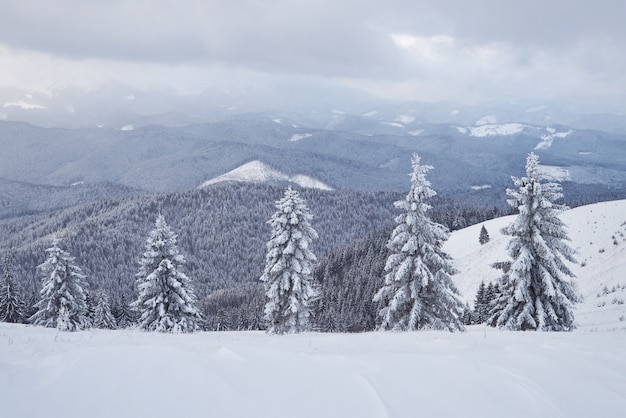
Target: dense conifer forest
222,232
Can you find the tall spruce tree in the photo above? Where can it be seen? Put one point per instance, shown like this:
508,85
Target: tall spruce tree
63,301
288,273
166,298
418,291
11,304
536,292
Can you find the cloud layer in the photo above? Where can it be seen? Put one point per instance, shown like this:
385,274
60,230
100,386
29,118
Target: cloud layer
427,50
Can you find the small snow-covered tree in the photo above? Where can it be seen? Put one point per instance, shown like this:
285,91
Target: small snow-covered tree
536,292
91,303
102,317
125,315
418,291
63,303
166,298
483,237
288,273
481,305
11,305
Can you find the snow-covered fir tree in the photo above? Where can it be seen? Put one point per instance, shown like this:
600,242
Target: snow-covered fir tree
166,300
483,237
91,303
63,302
288,273
103,317
418,292
125,315
536,290
11,305
482,304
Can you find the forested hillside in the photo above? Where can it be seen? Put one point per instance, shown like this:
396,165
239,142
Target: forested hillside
19,198
222,231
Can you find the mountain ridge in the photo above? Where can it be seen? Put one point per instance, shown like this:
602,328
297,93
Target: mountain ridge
157,158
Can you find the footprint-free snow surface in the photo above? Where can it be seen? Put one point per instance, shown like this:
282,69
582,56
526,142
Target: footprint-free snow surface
483,372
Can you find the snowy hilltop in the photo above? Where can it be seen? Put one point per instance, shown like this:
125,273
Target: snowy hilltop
257,172
598,235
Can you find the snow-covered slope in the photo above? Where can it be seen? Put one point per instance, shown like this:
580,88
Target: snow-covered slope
496,130
257,172
597,232
481,373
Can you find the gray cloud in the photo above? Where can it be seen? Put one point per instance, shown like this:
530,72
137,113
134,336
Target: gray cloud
432,49
300,36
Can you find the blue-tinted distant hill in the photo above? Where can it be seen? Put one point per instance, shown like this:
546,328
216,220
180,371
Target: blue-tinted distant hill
157,158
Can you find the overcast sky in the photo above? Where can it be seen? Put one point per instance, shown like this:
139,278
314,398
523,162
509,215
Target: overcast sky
430,50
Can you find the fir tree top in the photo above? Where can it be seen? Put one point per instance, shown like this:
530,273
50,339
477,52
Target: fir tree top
420,188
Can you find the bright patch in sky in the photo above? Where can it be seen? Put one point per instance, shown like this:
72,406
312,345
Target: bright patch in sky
426,46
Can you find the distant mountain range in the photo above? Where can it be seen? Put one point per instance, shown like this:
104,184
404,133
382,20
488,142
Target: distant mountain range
157,158
116,106
163,142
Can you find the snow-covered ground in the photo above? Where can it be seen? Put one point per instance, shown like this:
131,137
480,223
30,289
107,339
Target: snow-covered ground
548,139
503,129
480,373
298,137
598,234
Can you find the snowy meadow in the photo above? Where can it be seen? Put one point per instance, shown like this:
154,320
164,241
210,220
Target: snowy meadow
480,373
484,372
